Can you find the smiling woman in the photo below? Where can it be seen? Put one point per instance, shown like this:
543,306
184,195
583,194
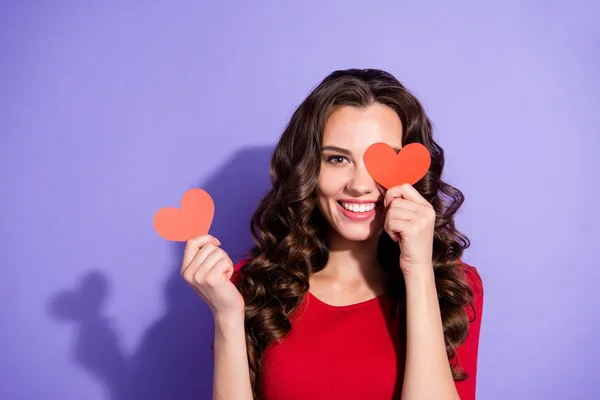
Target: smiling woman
351,291
346,193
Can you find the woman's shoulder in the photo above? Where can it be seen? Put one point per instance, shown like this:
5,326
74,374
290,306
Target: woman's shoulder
237,275
473,278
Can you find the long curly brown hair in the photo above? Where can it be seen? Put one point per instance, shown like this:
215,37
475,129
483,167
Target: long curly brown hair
290,233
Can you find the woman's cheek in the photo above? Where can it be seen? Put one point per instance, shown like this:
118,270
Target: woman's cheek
331,181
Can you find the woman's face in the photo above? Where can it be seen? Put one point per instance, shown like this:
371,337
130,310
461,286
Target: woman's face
347,196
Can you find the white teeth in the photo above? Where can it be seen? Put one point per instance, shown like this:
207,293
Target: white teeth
363,207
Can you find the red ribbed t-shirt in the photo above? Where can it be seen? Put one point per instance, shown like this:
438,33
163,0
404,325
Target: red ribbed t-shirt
353,352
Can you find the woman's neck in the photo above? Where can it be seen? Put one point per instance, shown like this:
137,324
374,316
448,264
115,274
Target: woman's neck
352,261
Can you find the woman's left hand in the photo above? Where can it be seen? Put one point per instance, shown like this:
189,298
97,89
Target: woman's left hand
410,221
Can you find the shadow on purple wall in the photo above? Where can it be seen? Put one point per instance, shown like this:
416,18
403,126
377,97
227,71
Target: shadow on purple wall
174,359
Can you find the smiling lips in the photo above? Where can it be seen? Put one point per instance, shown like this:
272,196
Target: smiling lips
358,211
358,207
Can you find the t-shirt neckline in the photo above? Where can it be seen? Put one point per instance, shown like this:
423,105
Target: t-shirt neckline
364,303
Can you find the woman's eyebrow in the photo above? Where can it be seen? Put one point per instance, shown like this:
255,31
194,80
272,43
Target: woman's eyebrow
337,149
348,152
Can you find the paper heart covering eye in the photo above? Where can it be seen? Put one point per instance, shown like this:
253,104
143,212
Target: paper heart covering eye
390,169
192,219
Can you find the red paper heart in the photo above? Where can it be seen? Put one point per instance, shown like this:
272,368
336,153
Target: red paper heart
192,219
390,169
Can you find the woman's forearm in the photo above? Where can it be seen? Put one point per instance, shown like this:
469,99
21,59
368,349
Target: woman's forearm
231,373
427,372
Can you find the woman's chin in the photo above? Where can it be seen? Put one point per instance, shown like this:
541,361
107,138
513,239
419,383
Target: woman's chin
356,233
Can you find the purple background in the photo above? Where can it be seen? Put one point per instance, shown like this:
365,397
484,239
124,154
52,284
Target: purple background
110,111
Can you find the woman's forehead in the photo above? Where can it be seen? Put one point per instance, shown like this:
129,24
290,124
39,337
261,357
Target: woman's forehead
357,128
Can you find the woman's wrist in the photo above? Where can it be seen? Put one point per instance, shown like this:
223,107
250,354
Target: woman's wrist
229,319
418,274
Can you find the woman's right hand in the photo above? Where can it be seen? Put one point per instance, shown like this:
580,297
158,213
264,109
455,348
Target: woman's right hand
208,269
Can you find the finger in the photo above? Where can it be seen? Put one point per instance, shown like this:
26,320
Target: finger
194,244
395,192
424,212
410,193
223,266
189,269
400,202
396,228
405,191
404,214
209,263
391,194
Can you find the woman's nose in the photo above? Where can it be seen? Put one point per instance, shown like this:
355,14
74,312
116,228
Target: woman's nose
360,181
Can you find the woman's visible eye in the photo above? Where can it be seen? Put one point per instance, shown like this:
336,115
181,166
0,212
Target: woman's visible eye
336,159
